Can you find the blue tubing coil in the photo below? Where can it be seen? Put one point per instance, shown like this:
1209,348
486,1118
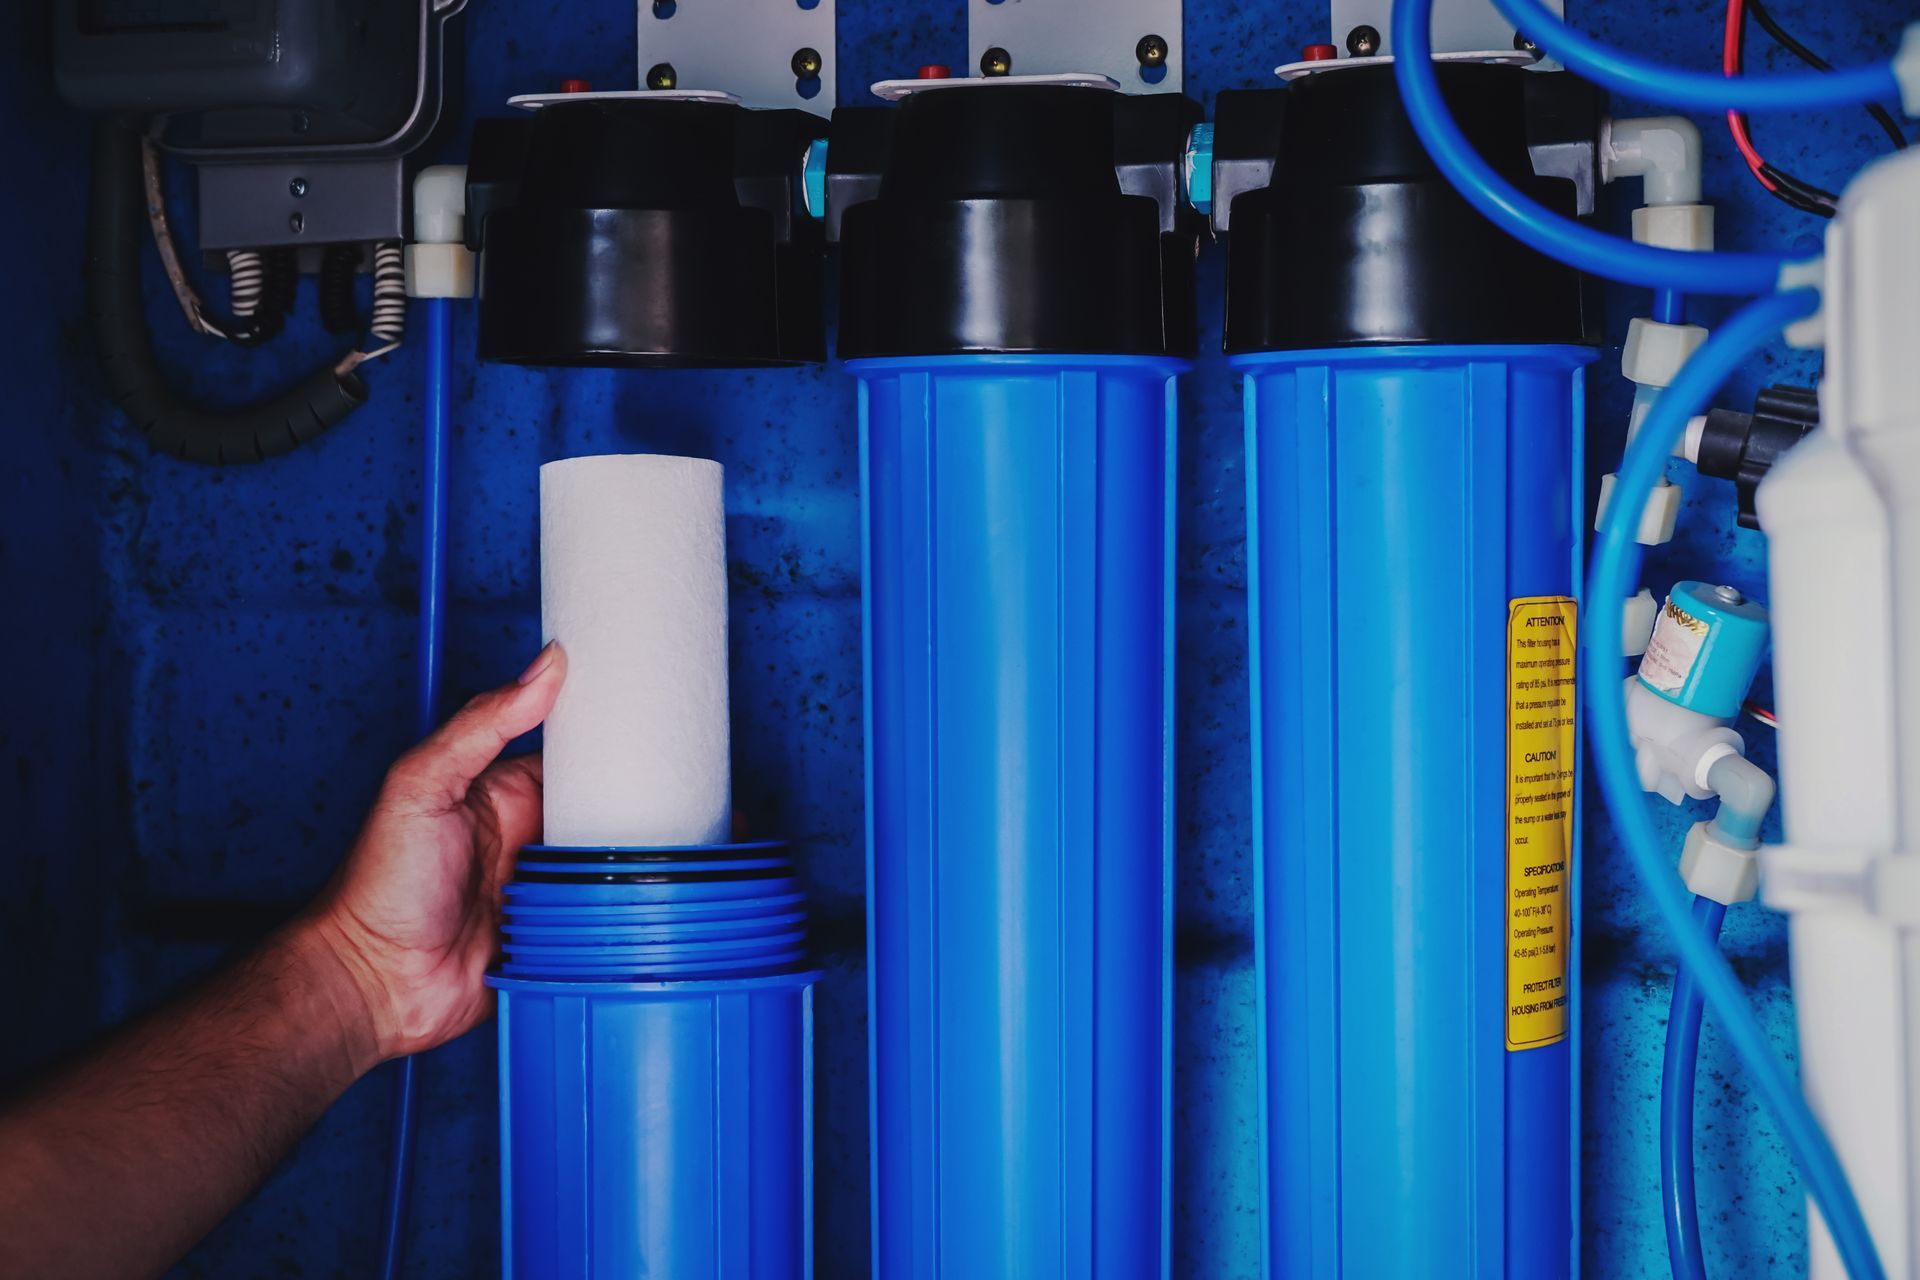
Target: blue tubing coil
1399,500
656,1045
1018,573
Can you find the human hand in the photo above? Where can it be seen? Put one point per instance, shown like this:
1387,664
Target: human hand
413,913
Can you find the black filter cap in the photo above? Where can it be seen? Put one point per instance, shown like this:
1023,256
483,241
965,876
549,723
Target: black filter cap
999,220
630,232
1358,239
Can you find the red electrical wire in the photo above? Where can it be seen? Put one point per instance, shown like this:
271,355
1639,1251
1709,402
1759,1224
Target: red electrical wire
1731,55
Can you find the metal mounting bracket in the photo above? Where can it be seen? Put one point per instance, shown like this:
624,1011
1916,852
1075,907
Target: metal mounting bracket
1110,38
1459,26
751,48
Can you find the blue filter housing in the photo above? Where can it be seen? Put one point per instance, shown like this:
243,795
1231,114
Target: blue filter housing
1414,520
656,1043
1016,322
1018,634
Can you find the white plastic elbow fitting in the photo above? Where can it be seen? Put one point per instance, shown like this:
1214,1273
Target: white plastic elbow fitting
1674,746
438,262
1663,151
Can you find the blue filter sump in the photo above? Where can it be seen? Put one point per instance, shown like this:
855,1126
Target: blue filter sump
656,1043
1018,602
1413,550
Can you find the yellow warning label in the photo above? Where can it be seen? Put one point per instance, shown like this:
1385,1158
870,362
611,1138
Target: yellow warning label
1541,741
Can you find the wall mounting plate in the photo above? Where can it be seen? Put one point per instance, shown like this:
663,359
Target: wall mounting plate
1496,57
894,90
1046,36
535,101
744,47
1459,26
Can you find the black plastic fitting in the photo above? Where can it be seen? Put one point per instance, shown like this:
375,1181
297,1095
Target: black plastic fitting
1742,447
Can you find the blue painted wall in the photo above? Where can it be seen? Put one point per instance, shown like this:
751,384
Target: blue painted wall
209,670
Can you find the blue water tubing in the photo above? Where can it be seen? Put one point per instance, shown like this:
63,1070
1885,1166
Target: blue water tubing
656,1026
430,656
1638,77
1525,219
1610,581
1685,1250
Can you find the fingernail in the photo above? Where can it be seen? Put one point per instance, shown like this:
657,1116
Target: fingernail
540,663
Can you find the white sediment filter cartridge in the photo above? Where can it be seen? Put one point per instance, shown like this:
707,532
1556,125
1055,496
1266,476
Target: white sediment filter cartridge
633,584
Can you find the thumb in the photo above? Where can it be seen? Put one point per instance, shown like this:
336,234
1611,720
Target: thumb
437,773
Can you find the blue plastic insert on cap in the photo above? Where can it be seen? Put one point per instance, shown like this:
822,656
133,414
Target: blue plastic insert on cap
1706,648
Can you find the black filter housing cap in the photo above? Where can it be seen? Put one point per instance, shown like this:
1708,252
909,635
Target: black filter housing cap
999,224
637,233
1360,240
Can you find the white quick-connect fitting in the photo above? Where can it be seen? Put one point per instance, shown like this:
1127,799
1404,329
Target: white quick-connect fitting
1906,69
1688,446
1658,518
1651,359
439,264
1636,623
1675,226
1716,868
1675,746
1810,332
1653,355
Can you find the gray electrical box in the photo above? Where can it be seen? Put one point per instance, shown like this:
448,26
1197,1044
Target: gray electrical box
298,114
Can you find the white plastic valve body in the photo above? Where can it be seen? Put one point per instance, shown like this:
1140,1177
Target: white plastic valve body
1842,516
1674,746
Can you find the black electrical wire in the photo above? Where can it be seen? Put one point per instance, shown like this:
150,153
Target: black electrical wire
1785,40
116,223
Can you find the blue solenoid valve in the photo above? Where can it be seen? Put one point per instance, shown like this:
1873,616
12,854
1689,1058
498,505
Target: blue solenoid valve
1706,648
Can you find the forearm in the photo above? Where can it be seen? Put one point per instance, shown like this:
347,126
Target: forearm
119,1165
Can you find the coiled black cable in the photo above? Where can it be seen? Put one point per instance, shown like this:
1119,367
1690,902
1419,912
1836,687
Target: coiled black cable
339,312
279,282
116,221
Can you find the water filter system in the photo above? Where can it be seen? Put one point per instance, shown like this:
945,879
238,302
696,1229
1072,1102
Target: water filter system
1440,663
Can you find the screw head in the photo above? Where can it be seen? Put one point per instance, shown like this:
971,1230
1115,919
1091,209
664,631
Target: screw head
1363,41
297,188
1151,51
661,75
996,62
1728,595
297,223
806,63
